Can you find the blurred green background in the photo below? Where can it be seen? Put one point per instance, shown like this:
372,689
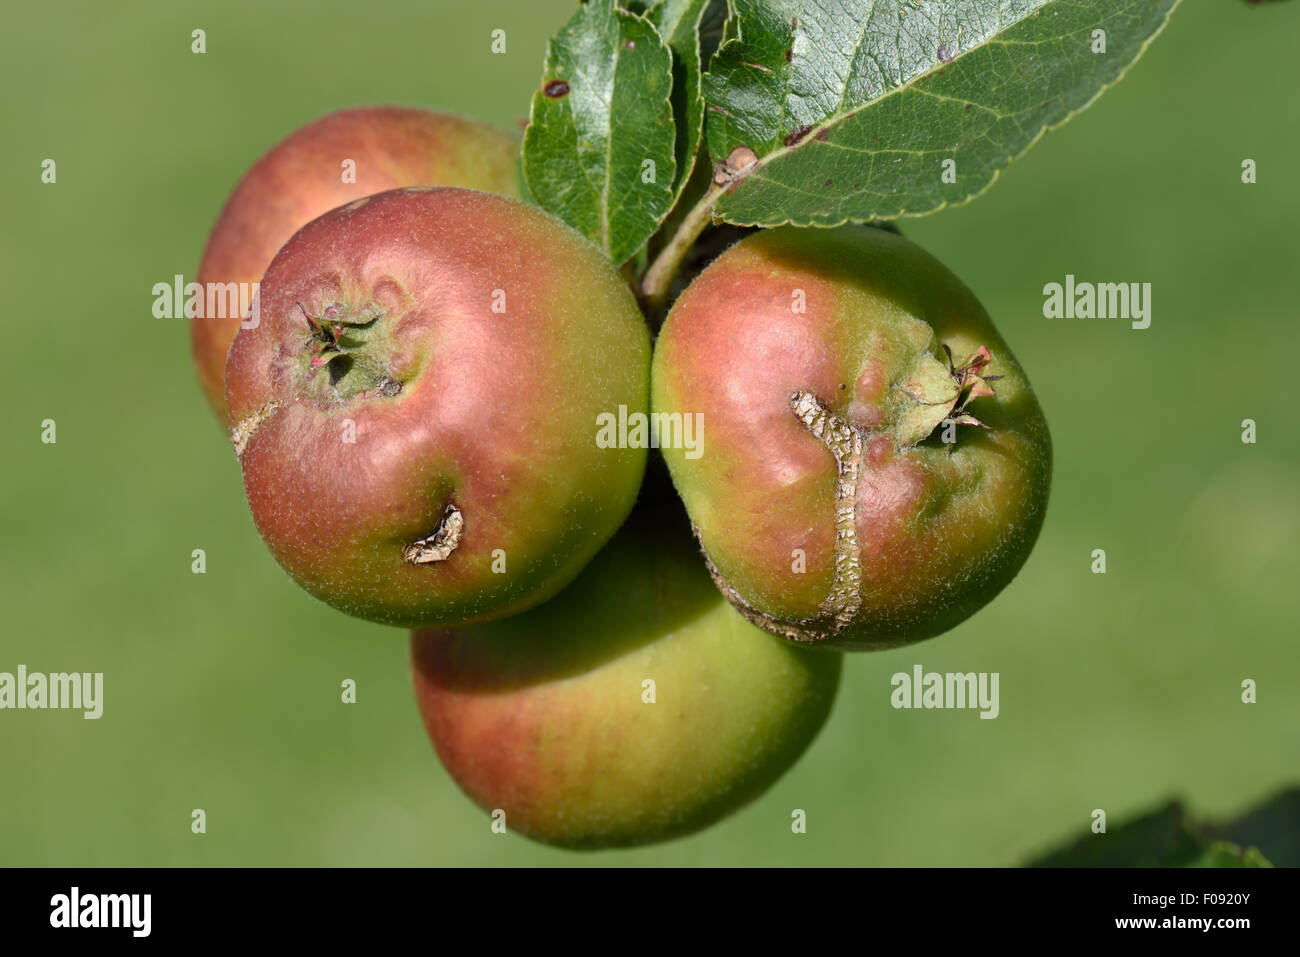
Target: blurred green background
222,690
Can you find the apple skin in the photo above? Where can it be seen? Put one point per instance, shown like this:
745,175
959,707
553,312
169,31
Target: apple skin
301,178
543,717
445,403
940,528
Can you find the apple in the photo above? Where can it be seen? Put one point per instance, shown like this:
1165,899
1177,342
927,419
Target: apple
417,410
875,466
635,706
331,161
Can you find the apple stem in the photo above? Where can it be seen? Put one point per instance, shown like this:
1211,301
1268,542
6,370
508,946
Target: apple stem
657,282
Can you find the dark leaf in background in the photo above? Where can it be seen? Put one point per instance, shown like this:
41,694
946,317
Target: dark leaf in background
1268,835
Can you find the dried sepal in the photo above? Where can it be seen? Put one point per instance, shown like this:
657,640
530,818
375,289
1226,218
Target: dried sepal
941,393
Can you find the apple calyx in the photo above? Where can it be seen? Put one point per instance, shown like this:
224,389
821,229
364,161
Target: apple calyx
935,393
972,382
343,354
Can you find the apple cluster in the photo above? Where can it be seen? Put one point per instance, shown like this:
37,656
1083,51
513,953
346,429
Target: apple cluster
417,411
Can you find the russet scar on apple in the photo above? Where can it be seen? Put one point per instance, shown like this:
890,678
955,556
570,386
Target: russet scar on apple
824,363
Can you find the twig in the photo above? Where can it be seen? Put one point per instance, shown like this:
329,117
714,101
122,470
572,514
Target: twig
657,282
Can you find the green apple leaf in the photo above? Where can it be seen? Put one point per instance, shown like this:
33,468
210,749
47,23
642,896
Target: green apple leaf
875,109
678,22
718,20
598,152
